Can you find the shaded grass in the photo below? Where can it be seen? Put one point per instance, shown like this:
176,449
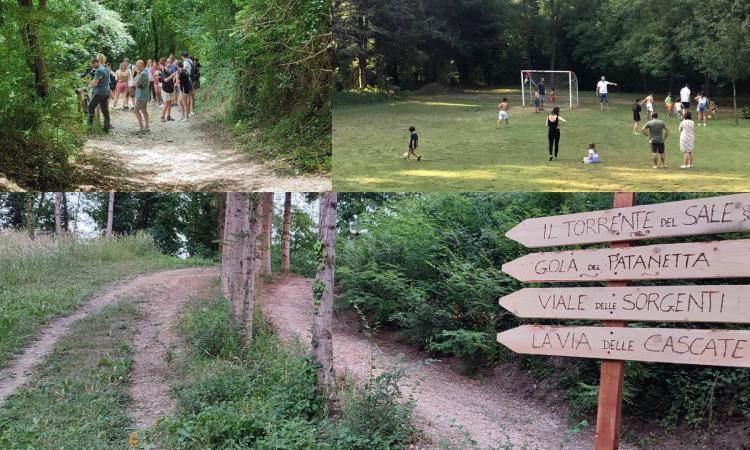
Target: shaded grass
78,398
48,278
463,151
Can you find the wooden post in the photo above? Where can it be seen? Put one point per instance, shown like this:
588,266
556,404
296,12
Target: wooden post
612,378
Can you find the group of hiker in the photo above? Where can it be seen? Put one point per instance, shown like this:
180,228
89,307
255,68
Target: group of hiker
167,82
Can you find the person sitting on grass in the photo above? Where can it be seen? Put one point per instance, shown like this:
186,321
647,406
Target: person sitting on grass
657,132
592,156
413,144
502,112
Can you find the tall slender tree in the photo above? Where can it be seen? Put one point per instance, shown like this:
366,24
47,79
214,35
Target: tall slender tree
231,258
30,217
265,233
286,233
58,213
249,251
322,330
30,38
110,213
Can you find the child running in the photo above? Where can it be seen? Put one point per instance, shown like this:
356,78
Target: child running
649,101
502,112
669,104
413,144
592,157
636,116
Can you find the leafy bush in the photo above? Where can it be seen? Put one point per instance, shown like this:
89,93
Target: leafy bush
746,112
211,330
474,348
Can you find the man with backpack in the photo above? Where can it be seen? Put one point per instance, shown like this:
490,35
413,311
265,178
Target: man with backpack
189,67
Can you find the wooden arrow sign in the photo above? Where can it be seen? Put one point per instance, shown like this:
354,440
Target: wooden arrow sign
720,303
717,259
671,345
689,217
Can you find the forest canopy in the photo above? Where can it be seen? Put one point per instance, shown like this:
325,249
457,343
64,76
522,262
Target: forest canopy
641,43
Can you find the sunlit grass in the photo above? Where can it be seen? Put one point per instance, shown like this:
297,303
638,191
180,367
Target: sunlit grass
463,150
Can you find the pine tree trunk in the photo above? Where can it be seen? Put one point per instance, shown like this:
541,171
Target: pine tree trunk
286,233
110,213
222,213
226,252
265,234
58,213
249,252
231,260
322,330
734,98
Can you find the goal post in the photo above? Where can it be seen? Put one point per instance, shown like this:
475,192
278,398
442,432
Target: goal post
564,83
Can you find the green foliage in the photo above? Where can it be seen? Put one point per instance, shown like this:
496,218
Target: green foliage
264,397
746,112
211,330
46,278
303,235
78,397
428,267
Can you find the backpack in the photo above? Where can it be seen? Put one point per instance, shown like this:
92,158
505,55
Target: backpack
168,86
196,73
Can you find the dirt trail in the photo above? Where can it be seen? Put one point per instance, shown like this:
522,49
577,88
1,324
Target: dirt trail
170,288
177,156
494,413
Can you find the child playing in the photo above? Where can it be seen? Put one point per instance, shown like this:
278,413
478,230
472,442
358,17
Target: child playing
592,157
649,101
413,144
714,109
502,112
678,109
553,98
536,101
636,115
669,104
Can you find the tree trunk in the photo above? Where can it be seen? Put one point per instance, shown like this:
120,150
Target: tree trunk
286,233
322,331
30,215
265,233
30,40
65,213
110,214
362,53
249,251
222,213
553,35
734,99
58,213
231,259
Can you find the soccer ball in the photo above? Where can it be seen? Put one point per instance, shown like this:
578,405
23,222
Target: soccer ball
405,155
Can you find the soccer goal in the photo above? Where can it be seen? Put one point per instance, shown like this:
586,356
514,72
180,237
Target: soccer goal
564,83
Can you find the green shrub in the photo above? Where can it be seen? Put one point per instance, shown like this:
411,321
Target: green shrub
746,112
474,348
211,330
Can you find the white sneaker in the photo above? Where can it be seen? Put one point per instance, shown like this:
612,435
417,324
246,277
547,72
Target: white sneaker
684,166
192,114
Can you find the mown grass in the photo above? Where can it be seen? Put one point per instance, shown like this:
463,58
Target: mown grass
463,151
79,396
48,277
263,396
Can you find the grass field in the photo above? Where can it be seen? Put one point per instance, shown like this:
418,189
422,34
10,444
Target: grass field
463,151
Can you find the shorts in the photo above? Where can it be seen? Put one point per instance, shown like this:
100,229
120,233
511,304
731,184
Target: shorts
702,108
669,107
140,105
122,86
166,96
541,97
502,115
636,117
657,147
131,90
685,105
604,98
650,107
185,89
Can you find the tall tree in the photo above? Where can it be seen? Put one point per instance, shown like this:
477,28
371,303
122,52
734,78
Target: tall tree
222,211
249,251
322,329
30,32
58,213
286,233
30,218
265,233
110,213
231,258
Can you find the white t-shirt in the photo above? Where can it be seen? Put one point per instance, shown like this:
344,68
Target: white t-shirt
131,77
685,94
602,87
188,65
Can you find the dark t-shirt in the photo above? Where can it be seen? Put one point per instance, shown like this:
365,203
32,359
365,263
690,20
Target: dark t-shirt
413,140
541,88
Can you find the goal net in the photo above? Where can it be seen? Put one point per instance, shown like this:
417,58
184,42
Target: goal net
563,83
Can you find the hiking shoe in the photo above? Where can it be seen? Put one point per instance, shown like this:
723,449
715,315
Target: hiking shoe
170,119
163,119
654,167
550,158
419,158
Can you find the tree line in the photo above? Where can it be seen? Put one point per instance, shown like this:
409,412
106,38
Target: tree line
643,44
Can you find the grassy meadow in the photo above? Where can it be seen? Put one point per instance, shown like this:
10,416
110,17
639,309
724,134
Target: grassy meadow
463,151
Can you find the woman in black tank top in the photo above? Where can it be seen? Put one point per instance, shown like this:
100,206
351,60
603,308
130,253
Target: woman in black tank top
554,121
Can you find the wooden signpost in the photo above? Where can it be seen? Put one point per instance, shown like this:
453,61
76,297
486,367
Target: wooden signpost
717,259
688,217
692,303
615,342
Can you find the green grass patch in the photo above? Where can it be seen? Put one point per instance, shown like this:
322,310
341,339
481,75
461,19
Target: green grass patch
47,277
79,396
462,149
263,396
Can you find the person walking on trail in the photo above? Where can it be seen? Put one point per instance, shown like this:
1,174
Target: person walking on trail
183,83
99,94
123,77
687,140
189,67
685,98
168,90
156,84
142,96
657,133
602,90
554,122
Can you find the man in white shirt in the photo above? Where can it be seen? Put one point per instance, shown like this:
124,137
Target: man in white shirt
603,93
685,98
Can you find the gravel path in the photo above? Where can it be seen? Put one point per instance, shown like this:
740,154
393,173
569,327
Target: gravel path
177,156
450,407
